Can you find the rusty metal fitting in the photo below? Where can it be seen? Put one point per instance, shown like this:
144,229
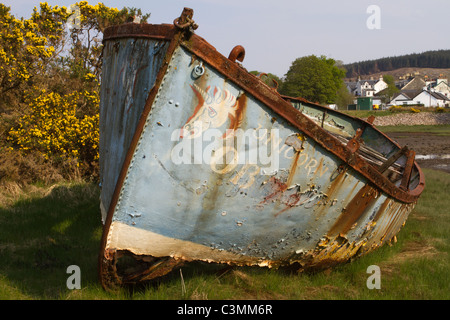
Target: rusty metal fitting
185,20
237,53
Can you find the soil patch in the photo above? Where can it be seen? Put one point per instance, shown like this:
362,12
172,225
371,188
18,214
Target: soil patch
412,250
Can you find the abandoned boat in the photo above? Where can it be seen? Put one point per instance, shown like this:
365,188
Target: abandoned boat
202,161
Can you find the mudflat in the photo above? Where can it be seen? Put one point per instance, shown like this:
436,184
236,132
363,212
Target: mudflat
432,150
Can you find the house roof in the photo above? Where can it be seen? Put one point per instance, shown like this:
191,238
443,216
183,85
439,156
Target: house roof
439,96
371,82
400,94
436,95
351,85
415,84
410,94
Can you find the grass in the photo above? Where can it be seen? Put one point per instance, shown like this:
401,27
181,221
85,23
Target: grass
367,113
41,234
442,130
44,230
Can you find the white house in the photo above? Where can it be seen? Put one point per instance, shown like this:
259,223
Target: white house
402,99
432,99
379,85
369,88
364,88
442,87
423,97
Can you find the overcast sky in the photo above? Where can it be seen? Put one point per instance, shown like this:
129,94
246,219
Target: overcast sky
276,32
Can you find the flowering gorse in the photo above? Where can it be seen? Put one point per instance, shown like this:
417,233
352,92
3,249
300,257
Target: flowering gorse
54,128
50,73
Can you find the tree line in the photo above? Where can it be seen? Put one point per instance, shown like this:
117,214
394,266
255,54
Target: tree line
428,59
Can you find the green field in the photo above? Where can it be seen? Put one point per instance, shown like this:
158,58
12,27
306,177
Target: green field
43,230
443,129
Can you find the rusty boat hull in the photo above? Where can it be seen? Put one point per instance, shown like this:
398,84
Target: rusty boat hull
307,185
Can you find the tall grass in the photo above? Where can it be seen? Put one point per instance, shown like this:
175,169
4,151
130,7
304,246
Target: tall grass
45,231
42,234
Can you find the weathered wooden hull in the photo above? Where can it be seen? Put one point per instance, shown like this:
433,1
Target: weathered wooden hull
303,184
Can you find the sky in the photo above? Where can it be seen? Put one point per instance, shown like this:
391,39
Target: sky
276,32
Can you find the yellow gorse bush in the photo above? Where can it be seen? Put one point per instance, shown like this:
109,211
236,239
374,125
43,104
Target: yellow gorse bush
395,108
53,127
50,70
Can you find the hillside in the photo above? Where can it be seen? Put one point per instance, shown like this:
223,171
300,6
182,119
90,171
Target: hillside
437,59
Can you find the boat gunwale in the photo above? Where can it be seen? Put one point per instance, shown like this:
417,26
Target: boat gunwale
235,73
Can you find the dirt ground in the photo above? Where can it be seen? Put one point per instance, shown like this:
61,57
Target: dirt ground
426,145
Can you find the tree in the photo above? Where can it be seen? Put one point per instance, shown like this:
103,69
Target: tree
86,44
27,45
344,97
314,78
391,89
34,50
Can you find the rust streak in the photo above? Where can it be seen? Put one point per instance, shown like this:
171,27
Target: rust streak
365,197
336,183
293,169
240,112
382,209
399,218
